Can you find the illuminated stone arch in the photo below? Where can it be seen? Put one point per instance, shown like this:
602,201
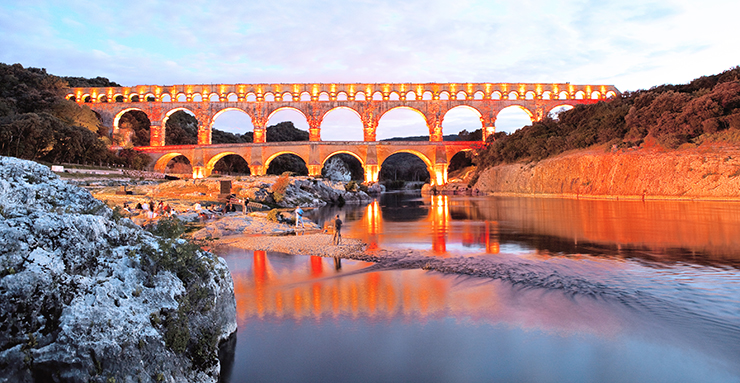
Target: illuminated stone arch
268,97
464,107
461,95
222,111
166,97
172,111
161,164
340,108
400,107
417,153
611,94
280,153
351,153
232,97
212,162
272,113
120,114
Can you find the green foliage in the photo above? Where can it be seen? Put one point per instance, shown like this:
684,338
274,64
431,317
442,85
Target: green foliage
284,132
168,227
273,215
221,137
351,186
181,129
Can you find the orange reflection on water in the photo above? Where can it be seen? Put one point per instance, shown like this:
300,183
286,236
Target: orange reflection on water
436,228
261,292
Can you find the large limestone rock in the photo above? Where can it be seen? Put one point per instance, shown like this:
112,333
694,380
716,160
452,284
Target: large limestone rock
88,296
707,171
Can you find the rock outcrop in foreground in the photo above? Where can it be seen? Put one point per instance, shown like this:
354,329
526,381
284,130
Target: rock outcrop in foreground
88,296
705,172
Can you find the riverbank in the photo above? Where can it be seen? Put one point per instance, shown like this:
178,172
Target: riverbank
706,172
317,244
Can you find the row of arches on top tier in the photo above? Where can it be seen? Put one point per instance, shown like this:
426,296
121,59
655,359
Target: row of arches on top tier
345,124
341,96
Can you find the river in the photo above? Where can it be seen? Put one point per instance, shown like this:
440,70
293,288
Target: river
508,289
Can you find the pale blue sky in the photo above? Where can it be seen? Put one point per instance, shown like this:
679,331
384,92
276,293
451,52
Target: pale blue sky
631,44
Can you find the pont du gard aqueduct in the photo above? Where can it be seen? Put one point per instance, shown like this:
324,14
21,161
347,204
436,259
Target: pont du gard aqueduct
314,101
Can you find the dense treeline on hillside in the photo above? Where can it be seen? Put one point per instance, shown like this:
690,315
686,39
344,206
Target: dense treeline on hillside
668,116
37,123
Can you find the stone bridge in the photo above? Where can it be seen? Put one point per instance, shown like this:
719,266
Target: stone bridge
368,101
436,155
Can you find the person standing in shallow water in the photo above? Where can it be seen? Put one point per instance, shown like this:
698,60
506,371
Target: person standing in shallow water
299,218
337,230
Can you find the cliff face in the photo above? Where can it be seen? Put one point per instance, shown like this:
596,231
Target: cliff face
709,172
88,296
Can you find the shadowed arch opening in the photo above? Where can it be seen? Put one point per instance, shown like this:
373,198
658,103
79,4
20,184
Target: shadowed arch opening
513,118
174,163
460,122
343,166
228,163
402,167
461,166
402,122
180,127
132,126
282,162
341,124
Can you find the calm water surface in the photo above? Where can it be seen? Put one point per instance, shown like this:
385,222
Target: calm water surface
558,290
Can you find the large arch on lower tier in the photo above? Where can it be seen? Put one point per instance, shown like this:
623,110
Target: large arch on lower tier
161,164
213,160
419,154
280,153
353,154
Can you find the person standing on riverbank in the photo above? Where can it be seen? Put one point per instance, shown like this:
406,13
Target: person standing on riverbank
299,218
337,231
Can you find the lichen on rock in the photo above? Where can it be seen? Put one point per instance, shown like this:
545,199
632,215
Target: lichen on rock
88,296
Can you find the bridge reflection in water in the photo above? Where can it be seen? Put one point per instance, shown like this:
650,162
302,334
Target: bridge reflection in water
316,287
318,290
435,227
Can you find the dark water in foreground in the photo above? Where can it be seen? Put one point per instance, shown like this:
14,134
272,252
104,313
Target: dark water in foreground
532,290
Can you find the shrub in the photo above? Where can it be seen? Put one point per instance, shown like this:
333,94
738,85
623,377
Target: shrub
280,186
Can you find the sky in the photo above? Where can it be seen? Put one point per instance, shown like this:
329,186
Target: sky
630,44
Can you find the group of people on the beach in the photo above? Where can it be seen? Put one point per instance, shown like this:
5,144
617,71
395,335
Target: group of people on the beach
150,209
337,239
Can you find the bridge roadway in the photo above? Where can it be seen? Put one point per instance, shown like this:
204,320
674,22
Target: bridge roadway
371,154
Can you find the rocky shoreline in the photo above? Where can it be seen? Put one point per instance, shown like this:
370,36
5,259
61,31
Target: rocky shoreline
88,296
